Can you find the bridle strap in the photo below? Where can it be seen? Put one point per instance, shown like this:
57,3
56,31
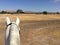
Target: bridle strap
15,24
9,24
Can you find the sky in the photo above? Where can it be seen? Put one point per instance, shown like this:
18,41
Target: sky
31,5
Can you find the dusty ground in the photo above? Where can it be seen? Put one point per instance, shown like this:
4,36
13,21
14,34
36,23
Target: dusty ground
35,29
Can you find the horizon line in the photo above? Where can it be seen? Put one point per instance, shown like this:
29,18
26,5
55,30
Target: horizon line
12,10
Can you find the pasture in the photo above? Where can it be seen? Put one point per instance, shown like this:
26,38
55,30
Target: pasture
36,29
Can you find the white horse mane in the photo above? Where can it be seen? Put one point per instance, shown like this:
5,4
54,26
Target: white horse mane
12,36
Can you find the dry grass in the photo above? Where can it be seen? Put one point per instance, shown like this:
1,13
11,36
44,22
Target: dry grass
36,29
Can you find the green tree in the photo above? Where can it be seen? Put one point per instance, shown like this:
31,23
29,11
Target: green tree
19,11
57,12
44,12
3,12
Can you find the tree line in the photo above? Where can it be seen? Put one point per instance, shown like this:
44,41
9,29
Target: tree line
8,12
21,11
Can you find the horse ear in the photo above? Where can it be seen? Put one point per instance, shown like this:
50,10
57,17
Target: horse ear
7,20
17,21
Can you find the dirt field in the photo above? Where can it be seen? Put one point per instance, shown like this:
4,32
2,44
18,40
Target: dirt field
36,29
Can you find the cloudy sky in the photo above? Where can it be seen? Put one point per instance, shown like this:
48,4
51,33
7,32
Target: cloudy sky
31,5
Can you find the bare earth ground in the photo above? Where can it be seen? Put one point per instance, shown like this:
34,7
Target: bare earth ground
36,29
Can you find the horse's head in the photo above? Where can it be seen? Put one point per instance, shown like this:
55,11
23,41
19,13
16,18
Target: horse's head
12,31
